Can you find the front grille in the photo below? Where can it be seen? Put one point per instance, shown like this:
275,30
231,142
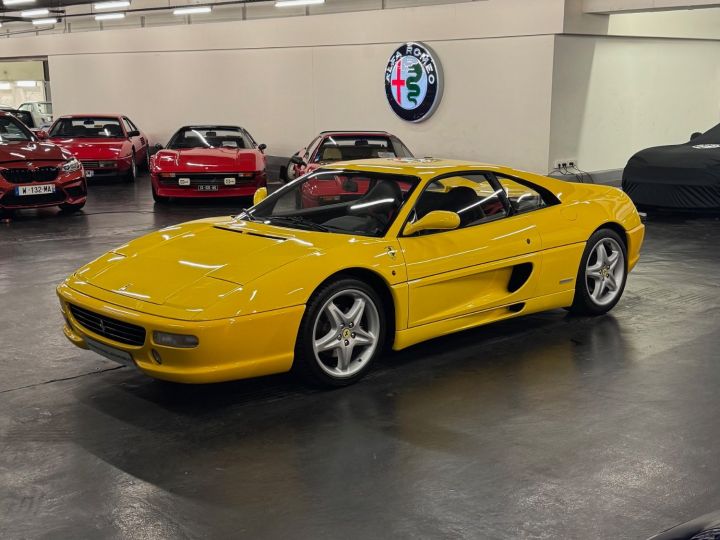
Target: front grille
214,179
28,176
94,164
11,200
119,331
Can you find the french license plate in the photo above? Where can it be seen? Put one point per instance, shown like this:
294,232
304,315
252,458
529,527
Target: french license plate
89,174
207,188
111,353
41,189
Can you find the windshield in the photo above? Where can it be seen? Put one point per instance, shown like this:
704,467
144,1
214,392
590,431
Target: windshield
347,147
88,128
346,202
209,137
45,108
11,131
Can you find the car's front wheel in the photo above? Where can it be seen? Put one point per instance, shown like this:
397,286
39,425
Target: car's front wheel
341,334
602,274
159,198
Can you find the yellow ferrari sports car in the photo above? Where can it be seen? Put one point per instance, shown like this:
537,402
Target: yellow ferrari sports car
337,266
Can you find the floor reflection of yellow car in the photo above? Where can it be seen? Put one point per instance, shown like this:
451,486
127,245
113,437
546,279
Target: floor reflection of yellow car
419,249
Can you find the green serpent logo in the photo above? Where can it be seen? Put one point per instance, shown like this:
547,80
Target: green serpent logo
413,87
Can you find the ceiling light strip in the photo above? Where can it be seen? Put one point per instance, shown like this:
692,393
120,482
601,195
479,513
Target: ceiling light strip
192,10
114,4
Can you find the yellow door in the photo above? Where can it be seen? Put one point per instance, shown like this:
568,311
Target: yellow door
492,260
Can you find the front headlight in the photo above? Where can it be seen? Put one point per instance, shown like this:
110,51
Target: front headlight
71,165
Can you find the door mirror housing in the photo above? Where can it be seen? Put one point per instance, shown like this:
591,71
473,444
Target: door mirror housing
262,147
297,160
133,134
156,148
41,134
695,135
437,220
260,195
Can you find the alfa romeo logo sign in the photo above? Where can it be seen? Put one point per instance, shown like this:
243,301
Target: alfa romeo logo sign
413,82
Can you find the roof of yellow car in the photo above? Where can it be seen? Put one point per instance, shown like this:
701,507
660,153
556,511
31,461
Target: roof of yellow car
423,167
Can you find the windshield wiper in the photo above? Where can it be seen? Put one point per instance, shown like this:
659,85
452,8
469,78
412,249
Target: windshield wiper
246,215
299,220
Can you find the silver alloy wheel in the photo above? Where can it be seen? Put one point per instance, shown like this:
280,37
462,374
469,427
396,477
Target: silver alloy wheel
605,271
133,167
345,333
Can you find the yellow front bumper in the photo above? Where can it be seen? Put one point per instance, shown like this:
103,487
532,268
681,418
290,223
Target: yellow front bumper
635,240
229,349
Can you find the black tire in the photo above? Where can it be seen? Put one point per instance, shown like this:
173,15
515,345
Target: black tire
71,208
146,161
584,303
131,174
159,198
308,365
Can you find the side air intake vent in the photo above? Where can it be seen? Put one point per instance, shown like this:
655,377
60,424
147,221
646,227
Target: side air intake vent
520,274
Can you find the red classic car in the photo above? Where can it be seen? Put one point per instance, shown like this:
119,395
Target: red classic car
106,144
208,161
34,173
331,146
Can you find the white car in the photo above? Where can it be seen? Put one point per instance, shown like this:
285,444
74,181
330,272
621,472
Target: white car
41,112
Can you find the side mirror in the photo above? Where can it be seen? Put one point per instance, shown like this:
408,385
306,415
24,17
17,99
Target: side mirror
695,135
41,134
297,160
437,220
260,195
133,133
262,147
156,148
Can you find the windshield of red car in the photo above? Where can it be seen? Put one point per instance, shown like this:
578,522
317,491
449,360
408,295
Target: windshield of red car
345,202
209,137
88,128
347,147
12,131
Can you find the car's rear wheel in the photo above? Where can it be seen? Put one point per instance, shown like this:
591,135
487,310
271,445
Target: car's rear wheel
70,208
602,274
131,174
341,334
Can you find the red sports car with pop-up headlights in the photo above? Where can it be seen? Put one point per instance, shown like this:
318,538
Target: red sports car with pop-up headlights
34,173
106,144
208,161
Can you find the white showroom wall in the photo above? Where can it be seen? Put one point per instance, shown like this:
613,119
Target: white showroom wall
613,96
286,79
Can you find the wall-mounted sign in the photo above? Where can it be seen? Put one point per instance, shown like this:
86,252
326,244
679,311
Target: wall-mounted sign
414,82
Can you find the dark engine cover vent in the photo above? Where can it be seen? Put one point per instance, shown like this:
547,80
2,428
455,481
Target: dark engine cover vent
520,274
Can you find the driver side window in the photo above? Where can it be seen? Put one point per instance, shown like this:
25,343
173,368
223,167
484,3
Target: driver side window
471,196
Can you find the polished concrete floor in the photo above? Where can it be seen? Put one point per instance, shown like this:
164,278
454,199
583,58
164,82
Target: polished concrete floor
542,427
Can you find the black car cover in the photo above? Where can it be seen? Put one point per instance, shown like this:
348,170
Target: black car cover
683,176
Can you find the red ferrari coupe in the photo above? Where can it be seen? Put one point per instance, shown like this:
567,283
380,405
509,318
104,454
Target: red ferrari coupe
106,144
34,173
208,161
331,146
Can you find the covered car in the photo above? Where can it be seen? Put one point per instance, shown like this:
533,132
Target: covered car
681,177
